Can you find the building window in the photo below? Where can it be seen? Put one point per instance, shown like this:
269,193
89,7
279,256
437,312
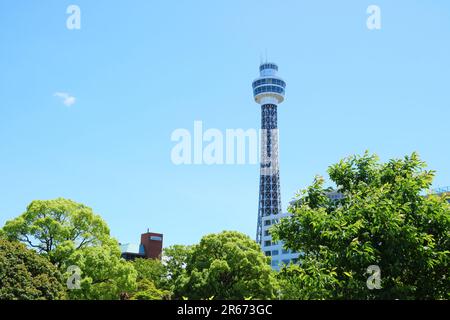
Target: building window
266,233
268,253
267,243
274,263
155,238
267,223
275,252
286,262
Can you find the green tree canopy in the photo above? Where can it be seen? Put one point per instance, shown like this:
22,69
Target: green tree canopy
152,280
151,269
26,275
175,259
228,265
146,290
70,234
104,274
384,218
56,228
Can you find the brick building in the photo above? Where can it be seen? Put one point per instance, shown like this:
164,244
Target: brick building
150,247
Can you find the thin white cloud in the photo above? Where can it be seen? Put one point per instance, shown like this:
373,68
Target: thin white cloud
67,99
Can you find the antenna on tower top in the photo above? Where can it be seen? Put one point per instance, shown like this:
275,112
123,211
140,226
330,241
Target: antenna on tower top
266,56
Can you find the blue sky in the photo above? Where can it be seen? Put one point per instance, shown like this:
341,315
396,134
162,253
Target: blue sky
140,69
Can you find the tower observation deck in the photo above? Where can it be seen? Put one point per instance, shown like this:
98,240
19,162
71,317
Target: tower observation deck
268,91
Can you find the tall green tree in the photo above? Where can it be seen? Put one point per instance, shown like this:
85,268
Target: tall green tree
25,275
152,280
150,269
228,265
57,228
175,259
104,274
146,290
385,218
71,234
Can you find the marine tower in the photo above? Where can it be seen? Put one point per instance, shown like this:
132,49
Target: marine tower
268,91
